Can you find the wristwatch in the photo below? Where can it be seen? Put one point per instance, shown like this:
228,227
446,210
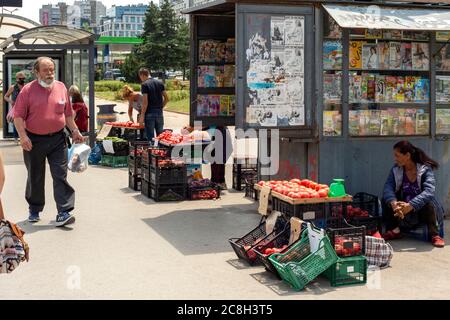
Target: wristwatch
76,129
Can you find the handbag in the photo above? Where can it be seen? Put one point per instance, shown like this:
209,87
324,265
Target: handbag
378,252
13,248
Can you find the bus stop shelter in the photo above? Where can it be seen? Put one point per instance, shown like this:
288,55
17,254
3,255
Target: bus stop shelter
73,52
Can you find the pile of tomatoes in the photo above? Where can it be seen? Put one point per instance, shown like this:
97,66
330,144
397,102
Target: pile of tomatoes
270,251
346,247
128,124
205,194
298,189
159,152
356,212
170,138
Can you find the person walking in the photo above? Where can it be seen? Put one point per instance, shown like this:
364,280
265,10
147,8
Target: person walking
41,112
80,108
154,100
11,96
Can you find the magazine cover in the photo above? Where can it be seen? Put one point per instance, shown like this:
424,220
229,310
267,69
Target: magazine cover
332,123
202,106
355,54
207,50
357,33
386,123
442,36
383,55
374,122
420,56
332,92
220,80
332,55
232,105
221,52
380,90
353,123
230,47
421,35
422,122
443,121
400,92
214,106
422,90
370,56
392,34
443,58
224,104
401,122
442,89
355,92
406,52
391,89
207,77
364,121
374,33
371,88
408,35
410,83
332,29
410,122
395,55
294,30
393,116
277,31
229,76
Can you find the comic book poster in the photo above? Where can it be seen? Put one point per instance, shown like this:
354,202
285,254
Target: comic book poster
443,59
443,121
232,105
295,90
392,34
229,76
395,55
386,122
391,89
355,90
332,29
277,31
332,92
410,83
207,51
374,122
370,56
230,47
380,91
383,55
262,116
410,122
400,94
355,54
220,80
364,122
406,52
422,90
294,28
294,60
207,77
297,115
394,116
420,56
332,55
401,121
371,88
224,105
257,49
353,123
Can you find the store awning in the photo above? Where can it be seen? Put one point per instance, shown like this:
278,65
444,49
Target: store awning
376,17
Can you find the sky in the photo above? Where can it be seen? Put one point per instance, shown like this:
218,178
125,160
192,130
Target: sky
31,8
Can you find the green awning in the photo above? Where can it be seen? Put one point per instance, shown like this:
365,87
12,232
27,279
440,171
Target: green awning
118,40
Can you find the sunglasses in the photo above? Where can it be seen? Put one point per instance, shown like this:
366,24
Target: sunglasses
20,79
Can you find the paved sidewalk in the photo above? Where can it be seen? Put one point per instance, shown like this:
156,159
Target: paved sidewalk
125,246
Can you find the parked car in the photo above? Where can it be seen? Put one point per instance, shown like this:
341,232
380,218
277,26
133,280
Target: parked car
113,74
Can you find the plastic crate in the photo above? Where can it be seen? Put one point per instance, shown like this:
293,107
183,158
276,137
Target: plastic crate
299,265
347,271
195,193
315,213
133,134
114,161
148,157
244,246
121,148
347,240
137,147
134,182
368,202
166,192
245,163
240,177
251,192
372,224
135,165
165,176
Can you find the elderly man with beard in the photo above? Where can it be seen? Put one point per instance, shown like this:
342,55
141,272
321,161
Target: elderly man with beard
41,112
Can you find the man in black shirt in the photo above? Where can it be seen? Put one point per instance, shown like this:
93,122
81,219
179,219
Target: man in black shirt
155,99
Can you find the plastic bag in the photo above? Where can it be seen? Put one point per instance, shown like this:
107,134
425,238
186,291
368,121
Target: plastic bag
96,155
78,157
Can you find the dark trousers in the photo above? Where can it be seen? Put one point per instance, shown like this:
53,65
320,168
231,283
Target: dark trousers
154,120
54,149
217,173
426,215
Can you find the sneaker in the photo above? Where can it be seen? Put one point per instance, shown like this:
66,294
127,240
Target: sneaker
222,186
34,217
391,235
64,218
438,242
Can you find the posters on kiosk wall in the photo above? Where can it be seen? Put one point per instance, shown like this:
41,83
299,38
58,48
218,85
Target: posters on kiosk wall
275,74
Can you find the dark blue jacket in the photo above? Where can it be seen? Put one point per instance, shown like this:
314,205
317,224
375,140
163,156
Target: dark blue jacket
427,185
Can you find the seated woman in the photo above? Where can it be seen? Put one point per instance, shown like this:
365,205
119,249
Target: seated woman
134,101
409,193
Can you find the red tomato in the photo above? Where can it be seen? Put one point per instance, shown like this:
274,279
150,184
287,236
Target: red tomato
323,193
305,182
315,194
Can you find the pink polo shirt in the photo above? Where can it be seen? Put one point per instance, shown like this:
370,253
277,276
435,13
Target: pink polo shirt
43,110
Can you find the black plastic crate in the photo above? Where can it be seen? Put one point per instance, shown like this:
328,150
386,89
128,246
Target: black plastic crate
147,155
240,177
244,246
133,134
135,165
137,147
121,149
366,202
245,163
167,192
165,176
196,193
251,192
134,182
305,212
372,224
346,239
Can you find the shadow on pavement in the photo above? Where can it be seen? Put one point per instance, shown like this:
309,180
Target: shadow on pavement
204,231
36,227
129,190
410,244
240,264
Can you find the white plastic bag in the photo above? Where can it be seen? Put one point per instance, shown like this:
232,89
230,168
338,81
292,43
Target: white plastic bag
78,157
315,236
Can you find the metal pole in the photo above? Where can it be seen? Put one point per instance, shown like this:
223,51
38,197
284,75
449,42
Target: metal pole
91,95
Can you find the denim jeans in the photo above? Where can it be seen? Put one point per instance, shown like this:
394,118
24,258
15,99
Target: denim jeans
154,120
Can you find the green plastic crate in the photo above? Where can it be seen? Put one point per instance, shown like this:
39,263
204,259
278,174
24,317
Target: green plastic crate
347,271
114,161
299,266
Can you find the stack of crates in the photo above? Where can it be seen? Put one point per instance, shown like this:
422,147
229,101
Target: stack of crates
163,179
244,169
135,164
117,159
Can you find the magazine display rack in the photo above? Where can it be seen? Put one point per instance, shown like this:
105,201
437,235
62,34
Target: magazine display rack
442,50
